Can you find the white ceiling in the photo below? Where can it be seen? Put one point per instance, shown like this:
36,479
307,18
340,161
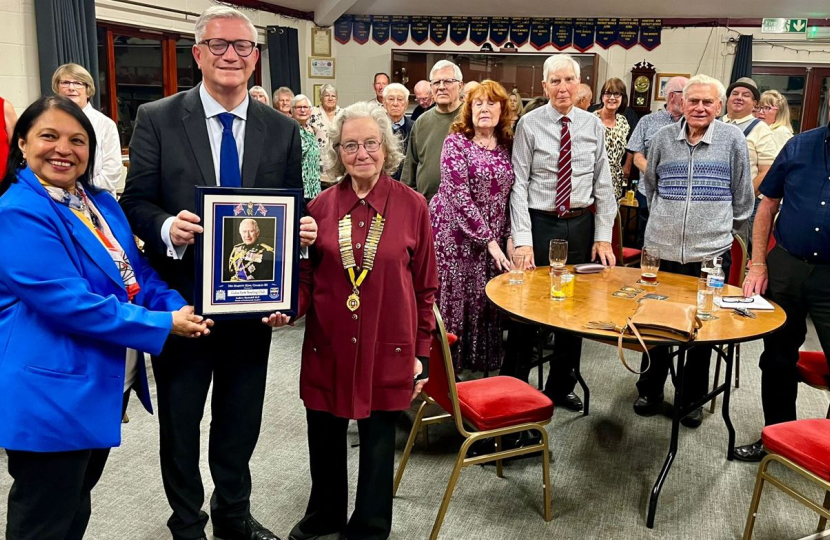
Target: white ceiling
583,8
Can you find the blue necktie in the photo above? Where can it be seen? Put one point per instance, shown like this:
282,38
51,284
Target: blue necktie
228,154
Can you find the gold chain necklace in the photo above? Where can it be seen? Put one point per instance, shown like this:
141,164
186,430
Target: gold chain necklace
370,249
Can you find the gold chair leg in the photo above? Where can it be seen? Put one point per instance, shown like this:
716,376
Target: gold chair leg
546,475
738,365
756,498
445,502
413,435
715,385
822,522
499,471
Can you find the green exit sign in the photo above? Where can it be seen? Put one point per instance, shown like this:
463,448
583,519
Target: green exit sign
784,26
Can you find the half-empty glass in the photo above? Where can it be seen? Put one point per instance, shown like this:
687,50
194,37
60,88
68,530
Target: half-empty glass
517,273
558,253
649,266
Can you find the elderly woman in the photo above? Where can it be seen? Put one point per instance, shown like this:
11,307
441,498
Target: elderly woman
471,226
367,289
395,101
301,112
68,321
321,119
614,101
775,111
258,93
282,100
75,82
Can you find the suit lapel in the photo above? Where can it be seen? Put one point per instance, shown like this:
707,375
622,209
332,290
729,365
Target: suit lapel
254,142
196,130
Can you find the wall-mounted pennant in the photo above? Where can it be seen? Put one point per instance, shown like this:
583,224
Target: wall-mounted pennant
361,28
459,28
380,28
607,32
419,29
499,30
479,29
540,32
629,31
438,27
562,35
400,29
343,29
584,34
650,33
519,30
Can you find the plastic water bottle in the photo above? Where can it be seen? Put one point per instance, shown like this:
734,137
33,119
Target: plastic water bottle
715,281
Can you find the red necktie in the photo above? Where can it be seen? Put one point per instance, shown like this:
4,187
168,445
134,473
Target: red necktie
563,185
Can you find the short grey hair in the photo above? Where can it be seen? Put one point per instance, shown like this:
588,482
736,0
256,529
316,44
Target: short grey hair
362,109
258,89
557,62
298,98
256,225
443,64
396,88
327,89
703,80
283,90
221,12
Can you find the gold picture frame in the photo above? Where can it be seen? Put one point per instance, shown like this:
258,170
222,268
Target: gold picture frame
321,67
317,88
320,41
660,85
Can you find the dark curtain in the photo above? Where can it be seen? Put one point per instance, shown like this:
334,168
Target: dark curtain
743,59
284,58
66,32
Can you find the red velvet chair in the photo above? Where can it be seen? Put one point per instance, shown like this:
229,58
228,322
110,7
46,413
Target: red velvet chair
803,446
625,256
481,408
813,370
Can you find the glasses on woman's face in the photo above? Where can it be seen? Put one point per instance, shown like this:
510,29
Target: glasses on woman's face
352,147
72,84
765,109
219,46
612,95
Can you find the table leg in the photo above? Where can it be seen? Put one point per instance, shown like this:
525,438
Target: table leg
586,400
727,392
675,433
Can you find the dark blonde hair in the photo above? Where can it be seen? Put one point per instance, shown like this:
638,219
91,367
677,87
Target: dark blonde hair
616,85
492,91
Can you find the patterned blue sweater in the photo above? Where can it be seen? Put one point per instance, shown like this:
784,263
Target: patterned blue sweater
697,195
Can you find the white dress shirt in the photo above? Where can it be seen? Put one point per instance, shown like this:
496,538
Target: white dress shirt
214,128
108,164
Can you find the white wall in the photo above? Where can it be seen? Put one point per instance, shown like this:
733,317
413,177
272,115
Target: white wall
19,76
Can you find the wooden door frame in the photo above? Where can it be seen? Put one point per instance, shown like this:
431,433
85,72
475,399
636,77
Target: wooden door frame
812,95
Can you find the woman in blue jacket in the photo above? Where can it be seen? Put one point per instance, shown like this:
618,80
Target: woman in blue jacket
75,295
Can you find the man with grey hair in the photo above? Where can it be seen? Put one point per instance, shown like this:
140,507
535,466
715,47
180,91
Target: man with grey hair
250,260
563,191
395,101
211,135
650,124
584,96
699,188
423,95
422,168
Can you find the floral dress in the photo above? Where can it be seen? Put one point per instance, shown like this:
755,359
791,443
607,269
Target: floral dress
310,163
320,123
469,210
615,140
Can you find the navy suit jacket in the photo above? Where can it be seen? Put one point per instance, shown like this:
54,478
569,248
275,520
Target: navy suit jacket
66,322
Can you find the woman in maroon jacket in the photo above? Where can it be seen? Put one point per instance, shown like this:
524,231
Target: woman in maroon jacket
367,291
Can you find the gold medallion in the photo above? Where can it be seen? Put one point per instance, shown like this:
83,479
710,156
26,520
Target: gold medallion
353,302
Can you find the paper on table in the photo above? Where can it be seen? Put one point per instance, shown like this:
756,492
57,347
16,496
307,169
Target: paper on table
758,302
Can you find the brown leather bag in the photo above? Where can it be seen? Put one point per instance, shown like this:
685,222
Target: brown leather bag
663,320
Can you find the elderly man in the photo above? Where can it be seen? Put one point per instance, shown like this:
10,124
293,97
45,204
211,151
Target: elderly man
423,95
650,124
250,260
584,96
422,168
742,98
698,186
469,87
380,82
282,100
796,273
562,174
395,101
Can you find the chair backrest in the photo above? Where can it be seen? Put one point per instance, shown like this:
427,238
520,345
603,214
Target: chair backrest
616,238
737,271
441,384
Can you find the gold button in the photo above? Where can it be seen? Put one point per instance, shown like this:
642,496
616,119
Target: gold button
354,340
398,350
357,245
354,316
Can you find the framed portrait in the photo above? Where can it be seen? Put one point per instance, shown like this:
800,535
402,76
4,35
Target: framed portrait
320,68
320,41
317,99
247,259
662,79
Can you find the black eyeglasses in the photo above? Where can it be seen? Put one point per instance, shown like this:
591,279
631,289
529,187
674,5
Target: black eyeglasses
219,46
617,95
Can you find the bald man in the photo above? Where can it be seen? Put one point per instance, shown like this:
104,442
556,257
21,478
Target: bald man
650,124
250,260
423,95
469,87
584,96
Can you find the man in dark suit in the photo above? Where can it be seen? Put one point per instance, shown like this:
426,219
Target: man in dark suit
211,135
395,101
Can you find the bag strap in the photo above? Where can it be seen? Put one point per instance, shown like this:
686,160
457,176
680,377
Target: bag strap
631,326
750,127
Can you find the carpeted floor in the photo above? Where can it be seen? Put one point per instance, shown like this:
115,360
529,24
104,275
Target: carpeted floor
603,468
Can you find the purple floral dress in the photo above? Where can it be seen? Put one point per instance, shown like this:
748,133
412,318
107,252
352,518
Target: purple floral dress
470,210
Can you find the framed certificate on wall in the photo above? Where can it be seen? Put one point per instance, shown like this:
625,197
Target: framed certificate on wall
320,68
320,41
247,259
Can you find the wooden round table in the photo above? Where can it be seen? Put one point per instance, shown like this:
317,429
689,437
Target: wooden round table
594,300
